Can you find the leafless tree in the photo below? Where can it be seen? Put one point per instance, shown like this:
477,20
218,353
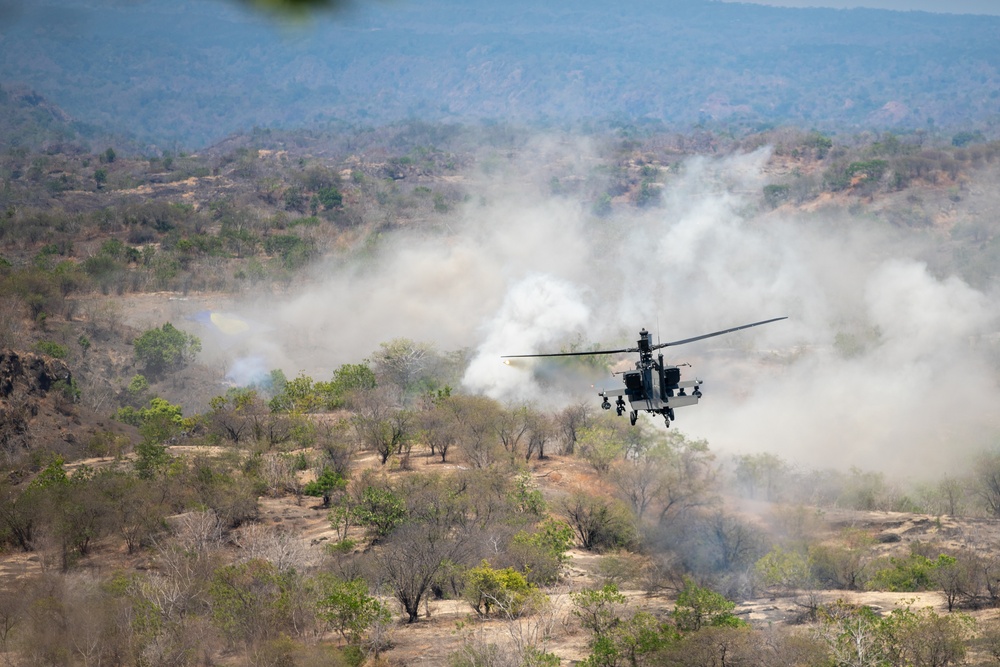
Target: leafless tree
408,562
569,423
381,425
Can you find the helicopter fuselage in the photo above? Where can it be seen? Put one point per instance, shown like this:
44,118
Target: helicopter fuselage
652,387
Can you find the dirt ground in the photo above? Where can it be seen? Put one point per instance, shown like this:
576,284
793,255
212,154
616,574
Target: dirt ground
444,623
441,629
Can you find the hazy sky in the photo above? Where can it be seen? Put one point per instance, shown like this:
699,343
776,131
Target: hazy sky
943,6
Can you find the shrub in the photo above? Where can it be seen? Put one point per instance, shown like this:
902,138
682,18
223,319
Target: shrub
541,554
166,348
51,349
699,607
506,591
914,573
380,510
775,195
324,485
347,607
600,522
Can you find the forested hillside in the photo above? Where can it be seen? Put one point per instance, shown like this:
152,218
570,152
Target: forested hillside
241,420
185,74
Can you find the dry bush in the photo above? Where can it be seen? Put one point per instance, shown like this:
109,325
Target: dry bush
621,567
278,472
12,317
517,641
279,547
198,531
105,321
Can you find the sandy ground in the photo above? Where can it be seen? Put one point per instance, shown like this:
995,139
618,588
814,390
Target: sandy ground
444,623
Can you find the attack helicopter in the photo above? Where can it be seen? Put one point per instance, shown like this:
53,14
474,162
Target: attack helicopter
653,386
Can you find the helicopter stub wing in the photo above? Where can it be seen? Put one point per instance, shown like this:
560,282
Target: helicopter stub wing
681,401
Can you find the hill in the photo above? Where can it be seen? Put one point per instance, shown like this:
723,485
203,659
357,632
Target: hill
186,74
306,467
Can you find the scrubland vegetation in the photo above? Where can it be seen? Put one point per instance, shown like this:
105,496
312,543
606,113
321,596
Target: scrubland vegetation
151,536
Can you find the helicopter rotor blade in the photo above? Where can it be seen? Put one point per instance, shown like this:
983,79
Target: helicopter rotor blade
716,333
636,349
570,354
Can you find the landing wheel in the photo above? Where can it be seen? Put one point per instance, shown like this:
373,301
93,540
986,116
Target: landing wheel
666,420
632,416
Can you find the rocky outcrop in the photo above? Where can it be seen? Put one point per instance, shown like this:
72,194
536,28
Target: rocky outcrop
25,382
30,374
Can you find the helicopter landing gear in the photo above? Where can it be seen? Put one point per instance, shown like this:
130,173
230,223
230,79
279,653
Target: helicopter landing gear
668,415
620,406
633,416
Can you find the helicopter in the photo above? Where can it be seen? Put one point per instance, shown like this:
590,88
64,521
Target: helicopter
653,386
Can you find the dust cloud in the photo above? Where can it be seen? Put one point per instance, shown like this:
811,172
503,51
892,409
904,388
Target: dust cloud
881,364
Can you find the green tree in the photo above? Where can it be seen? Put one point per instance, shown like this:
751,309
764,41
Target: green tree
541,554
843,565
901,575
135,512
52,349
241,414
380,510
620,636
964,138
20,514
602,442
293,251
165,348
295,396
505,591
758,473
324,485
347,607
776,194
957,577
138,385
251,601
330,198
157,423
698,607
151,459
73,509
346,380
784,570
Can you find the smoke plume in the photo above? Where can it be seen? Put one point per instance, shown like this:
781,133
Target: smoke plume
881,364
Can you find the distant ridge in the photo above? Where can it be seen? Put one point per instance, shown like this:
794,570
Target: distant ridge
190,72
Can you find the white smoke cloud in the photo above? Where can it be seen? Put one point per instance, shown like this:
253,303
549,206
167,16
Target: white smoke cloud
535,317
880,364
